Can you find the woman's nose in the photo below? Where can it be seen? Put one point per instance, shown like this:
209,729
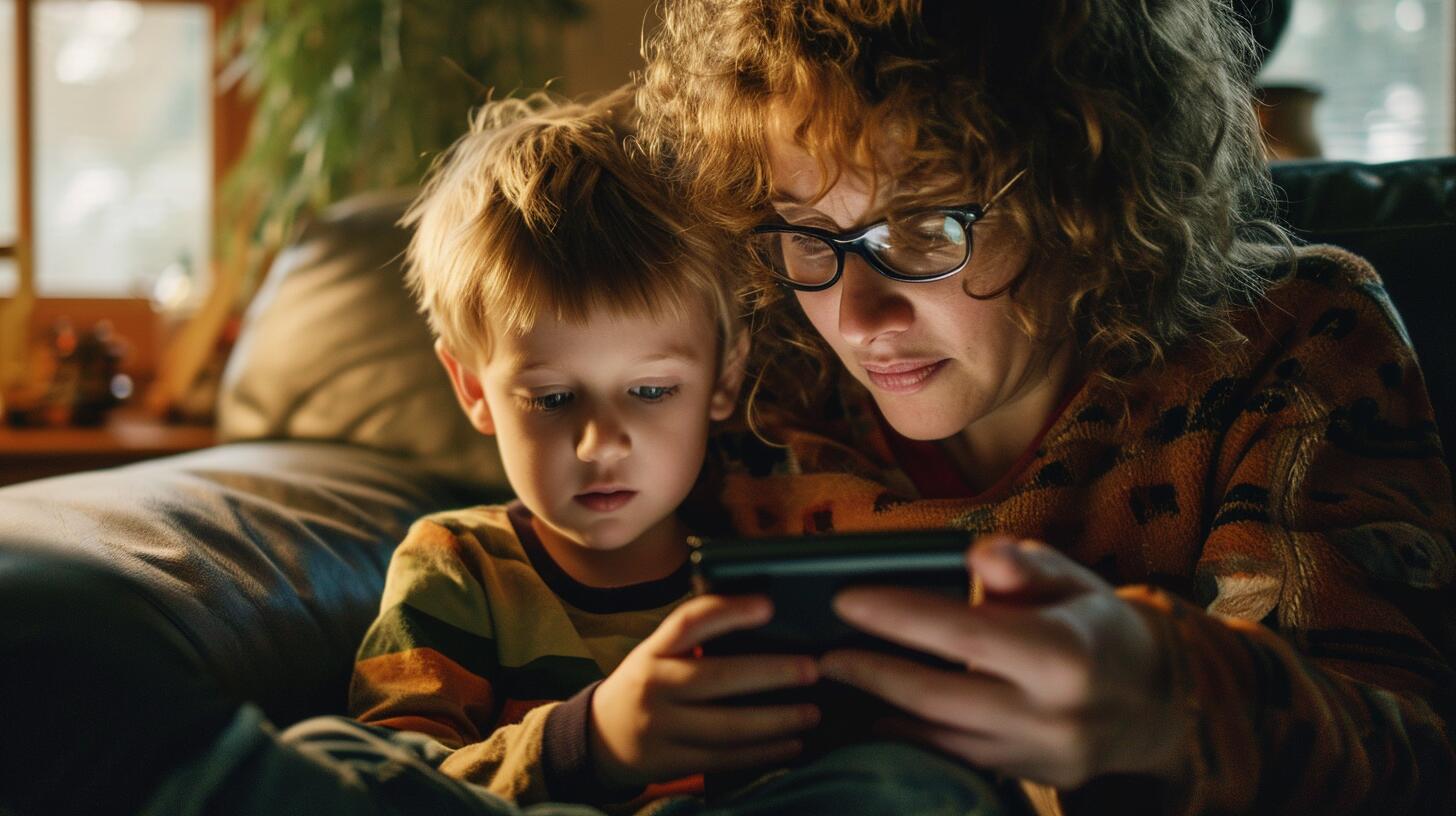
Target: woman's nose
871,306
604,439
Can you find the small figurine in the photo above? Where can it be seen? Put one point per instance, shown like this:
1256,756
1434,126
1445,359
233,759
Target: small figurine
100,385
75,379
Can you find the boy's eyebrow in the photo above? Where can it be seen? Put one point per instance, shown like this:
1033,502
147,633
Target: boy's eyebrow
675,352
532,366
681,353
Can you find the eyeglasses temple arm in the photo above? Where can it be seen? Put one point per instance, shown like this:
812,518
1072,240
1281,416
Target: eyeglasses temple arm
1004,188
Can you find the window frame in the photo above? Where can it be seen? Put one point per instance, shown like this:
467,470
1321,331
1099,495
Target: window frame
230,117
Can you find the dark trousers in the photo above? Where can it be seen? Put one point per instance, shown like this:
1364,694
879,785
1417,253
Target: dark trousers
331,765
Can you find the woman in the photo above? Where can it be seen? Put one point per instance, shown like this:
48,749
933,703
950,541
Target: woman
1028,235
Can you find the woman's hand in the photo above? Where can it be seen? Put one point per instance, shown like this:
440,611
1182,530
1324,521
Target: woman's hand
655,717
1063,680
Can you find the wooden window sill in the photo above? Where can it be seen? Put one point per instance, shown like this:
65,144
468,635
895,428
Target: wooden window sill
127,436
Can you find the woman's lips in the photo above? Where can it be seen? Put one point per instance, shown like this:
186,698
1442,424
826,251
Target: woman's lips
605,502
903,378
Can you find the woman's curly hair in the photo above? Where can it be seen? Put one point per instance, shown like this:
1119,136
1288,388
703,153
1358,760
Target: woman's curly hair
1145,180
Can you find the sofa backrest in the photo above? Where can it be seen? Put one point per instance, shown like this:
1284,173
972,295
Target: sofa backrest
333,349
1400,216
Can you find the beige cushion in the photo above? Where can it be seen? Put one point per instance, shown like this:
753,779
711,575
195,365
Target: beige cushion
333,349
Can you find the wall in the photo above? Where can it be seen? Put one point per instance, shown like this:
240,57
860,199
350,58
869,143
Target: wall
601,50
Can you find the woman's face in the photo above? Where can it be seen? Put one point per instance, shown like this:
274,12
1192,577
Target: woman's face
936,360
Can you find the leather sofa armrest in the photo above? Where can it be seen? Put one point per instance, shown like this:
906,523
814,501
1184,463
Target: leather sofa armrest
103,693
142,605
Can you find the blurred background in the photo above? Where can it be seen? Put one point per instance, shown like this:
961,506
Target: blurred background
155,154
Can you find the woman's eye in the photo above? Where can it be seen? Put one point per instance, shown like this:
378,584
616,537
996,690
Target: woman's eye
652,393
549,402
808,247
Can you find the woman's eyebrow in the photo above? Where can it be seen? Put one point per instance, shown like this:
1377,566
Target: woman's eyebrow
810,212
780,196
801,208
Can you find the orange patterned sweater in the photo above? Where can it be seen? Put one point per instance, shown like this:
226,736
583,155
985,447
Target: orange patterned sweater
1282,510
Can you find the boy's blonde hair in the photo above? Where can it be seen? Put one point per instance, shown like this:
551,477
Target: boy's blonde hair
546,208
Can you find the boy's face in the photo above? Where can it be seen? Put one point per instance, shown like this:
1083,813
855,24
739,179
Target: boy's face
602,427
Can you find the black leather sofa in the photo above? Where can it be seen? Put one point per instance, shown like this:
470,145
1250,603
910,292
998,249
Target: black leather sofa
139,607
1402,218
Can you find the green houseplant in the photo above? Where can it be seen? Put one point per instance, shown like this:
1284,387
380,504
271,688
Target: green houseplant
348,96
355,95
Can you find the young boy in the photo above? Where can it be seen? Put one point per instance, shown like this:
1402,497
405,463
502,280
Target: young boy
594,335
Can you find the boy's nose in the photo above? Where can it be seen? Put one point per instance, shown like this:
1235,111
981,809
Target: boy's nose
603,439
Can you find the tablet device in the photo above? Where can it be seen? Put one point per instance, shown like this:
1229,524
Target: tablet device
802,575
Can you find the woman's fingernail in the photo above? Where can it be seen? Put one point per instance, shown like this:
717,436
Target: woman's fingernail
1008,548
848,605
995,543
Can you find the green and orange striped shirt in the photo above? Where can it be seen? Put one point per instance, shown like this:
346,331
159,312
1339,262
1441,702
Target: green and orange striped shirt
484,643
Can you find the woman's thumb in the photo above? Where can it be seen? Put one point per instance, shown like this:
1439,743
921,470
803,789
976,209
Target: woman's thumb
1026,570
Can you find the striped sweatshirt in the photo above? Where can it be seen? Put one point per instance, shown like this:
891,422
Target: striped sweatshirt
484,643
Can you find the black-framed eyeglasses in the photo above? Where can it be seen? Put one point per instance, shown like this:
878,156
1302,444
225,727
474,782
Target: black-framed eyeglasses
928,245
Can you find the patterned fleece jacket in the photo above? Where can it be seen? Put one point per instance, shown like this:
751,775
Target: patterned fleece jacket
1280,512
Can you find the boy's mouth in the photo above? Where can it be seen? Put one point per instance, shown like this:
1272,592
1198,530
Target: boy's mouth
604,501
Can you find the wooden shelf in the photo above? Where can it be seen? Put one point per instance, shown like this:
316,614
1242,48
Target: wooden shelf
34,453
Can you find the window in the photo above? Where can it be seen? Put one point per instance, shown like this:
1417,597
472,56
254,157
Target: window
1383,71
9,215
121,116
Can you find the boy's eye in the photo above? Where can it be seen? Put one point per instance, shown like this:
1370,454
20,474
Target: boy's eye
549,402
652,393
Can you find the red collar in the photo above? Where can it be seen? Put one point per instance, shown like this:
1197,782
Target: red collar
936,475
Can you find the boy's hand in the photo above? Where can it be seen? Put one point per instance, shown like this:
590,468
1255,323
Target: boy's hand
655,719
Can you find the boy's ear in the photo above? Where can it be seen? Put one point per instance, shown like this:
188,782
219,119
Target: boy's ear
730,378
468,389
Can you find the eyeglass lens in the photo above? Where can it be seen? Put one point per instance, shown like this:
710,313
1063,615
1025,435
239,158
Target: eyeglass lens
923,246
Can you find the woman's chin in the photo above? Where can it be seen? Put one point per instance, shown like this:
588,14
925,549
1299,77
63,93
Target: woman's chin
921,420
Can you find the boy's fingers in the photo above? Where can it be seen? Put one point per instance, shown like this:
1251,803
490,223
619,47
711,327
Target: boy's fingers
706,617
710,726
712,678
